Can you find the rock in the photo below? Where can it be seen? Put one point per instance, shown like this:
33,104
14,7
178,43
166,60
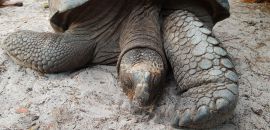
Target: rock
257,111
22,110
45,5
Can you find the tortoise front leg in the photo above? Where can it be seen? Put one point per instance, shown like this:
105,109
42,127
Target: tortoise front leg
49,52
203,70
141,65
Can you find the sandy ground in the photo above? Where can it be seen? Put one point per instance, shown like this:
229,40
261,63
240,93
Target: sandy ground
91,99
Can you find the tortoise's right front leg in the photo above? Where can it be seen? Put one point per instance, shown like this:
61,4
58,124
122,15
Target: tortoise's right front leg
49,52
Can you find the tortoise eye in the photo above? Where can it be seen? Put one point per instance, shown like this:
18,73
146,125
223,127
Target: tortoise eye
127,82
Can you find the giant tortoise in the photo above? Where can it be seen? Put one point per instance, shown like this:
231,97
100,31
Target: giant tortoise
146,39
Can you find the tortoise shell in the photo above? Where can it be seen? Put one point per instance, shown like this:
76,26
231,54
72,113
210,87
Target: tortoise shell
62,12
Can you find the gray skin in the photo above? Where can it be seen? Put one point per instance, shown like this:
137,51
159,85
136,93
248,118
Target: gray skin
5,3
132,34
203,71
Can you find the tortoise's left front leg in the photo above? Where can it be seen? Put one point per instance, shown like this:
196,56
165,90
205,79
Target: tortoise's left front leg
203,71
142,63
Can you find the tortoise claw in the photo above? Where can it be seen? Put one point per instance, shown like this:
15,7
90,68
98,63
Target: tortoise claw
202,114
186,118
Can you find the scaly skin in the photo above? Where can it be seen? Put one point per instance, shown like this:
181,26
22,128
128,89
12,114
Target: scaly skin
141,64
203,71
49,52
53,53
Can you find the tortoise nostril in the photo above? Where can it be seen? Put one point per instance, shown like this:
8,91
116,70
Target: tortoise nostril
141,77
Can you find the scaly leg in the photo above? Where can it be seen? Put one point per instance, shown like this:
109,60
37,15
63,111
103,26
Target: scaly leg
89,38
204,73
49,52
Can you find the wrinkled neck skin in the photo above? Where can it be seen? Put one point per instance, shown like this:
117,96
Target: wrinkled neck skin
101,21
97,13
106,18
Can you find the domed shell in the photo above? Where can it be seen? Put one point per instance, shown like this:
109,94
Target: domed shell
59,10
62,11
218,9
64,5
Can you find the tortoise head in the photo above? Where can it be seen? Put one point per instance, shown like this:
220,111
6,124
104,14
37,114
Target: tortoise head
141,74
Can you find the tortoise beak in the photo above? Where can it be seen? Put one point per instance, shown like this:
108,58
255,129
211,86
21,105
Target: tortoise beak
142,87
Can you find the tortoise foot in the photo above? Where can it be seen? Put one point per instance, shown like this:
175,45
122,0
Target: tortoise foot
205,106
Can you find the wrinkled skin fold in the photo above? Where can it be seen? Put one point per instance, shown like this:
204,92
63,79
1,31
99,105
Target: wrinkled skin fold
143,39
